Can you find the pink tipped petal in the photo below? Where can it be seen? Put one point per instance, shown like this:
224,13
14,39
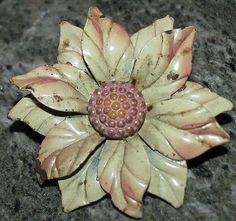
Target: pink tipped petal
185,144
82,188
151,62
188,127
61,87
210,100
181,55
118,52
211,134
106,47
69,50
143,36
151,52
179,68
178,37
168,178
67,146
124,172
28,111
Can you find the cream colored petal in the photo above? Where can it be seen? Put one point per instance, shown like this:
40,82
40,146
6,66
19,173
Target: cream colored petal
214,103
151,52
192,110
61,87
70,37
195,121
168,178
73,58
184,144
67,146
143,36
124,172
179,68
82,188
69,49
154,137
151,62
28,111
107,48
189,133
181,112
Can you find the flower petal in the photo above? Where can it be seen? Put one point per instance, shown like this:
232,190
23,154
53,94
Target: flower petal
151,62
67,146
210,100
82,188
69,50
154,137
151,51
183,125
179,68
144,35
168,178
124,172
28,111
106,47
61,87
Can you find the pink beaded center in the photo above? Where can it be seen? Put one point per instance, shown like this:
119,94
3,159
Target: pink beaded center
116,109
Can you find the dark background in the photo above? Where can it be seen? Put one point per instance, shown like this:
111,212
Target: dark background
29,33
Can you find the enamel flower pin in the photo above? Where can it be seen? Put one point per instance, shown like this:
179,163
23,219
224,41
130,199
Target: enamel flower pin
118,114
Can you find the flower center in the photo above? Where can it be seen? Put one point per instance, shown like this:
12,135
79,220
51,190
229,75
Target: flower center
116,109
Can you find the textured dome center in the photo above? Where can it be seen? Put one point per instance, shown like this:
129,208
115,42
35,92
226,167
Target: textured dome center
116,109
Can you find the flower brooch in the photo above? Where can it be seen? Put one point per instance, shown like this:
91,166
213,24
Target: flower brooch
118,114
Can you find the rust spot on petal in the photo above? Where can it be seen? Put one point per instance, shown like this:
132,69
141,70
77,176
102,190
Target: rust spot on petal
168,76
85,71
182,88
168,32
133,81
149,108
29,88
186,51
58,98
68,63
172,76
65,43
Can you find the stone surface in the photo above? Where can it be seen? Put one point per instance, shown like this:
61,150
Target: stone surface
29,38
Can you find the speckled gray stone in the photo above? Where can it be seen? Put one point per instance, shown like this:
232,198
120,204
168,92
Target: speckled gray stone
29,38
